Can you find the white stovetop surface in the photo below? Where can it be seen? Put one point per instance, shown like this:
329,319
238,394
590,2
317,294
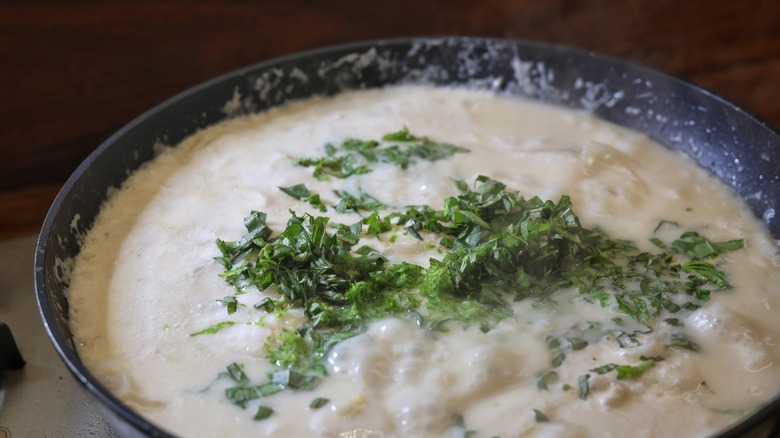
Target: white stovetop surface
43,399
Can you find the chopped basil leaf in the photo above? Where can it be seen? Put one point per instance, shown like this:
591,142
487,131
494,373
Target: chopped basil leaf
463,186
584,386
298,191
214,328
679,341
626,371
340,167
418,147
577,343
655,358
627,340
289,378
544,379
665,223
632,372
377,224
236,372
540,416
242,394
267,303
698,248
230,302
301,193
658,242
263,412
354,157
604,369
318,403
361,201
558,359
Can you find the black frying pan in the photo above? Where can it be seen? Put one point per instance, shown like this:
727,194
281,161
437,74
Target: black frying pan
740,149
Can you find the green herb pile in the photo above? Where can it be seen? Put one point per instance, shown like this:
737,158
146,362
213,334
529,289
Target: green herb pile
498,248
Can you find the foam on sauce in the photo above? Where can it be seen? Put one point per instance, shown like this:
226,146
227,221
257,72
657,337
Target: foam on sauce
146,280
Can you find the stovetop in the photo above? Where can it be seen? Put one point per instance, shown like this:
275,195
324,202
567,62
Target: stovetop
42,399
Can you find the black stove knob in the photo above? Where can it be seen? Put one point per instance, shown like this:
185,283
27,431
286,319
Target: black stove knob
10,357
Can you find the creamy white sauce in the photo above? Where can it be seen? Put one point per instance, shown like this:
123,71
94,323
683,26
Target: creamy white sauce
146,280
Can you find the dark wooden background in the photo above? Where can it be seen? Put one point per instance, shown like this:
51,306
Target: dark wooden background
73,72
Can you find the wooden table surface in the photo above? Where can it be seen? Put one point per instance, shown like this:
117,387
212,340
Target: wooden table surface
73,72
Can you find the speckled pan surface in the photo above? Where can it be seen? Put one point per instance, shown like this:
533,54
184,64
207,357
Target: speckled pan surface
740,149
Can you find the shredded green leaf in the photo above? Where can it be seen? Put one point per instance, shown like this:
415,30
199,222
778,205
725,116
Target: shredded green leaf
679,341
301,193
498,248
543,380
230,302
361,201
584,385
540,417
354,157
263,412
236,373
626,371
214,328
318,403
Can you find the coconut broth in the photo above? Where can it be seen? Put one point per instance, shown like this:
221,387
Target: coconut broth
146,281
